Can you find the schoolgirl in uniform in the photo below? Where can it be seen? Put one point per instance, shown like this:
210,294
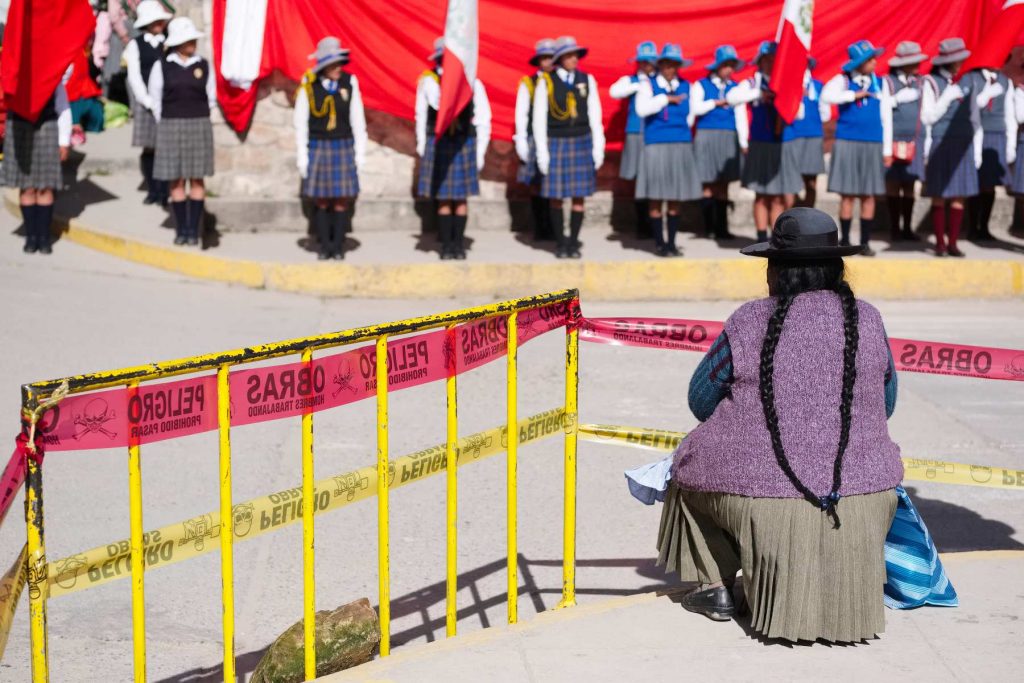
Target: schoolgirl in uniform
141,54
626,88
908,149
863,146
526,148
183,91
449,164
33,153
1016,186
721,138
766,171
570,140
953,142
803,141
998,147
668,169
330,139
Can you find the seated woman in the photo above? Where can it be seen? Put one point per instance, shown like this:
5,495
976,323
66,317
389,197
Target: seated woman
791,476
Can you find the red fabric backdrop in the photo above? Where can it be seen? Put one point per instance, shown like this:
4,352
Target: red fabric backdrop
390,40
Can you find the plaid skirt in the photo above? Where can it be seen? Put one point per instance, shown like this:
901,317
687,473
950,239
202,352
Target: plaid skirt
184,149
766,171
31,155
571,171
448,169
857,169
332,170
994,170
143,127
718,155
949,170
807,154
632,154
901,172
527,173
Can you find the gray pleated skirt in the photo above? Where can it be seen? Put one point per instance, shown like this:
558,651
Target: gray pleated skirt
806,154
949,171
718,155
857,168
1017,181
766,171
184,149
632,152
802,578
994,170
143,127
31,155
668,171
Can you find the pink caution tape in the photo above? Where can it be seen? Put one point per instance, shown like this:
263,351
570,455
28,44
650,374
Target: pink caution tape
910,355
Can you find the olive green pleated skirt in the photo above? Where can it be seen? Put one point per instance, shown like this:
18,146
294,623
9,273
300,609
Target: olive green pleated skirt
803,579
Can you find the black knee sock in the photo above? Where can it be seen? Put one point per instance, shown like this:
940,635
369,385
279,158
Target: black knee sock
575,224
866,226
445,230
460,231
146,166
30,222
338,230
892,204
673,228
656,230
180,211
322,228
541,218
722,218
44,218
844,230
762,235
708,211
195,217
908,214
986,201
558,226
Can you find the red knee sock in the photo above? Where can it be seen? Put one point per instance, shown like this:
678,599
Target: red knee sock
939,225
956,218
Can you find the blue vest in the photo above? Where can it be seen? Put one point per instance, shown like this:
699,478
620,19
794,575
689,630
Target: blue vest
634,124
861,120
669,124
810,125
719,118
764,122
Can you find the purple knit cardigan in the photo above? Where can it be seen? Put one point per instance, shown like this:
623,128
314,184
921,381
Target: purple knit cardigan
732,452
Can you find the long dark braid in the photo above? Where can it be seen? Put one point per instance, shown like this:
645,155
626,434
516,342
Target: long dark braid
791,280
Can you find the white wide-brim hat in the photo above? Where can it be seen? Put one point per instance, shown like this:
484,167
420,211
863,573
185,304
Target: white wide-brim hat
181,31
149,11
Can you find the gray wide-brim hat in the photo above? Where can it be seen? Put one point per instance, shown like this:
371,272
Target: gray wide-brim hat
907,52
566,45
951,50
802,233
329,51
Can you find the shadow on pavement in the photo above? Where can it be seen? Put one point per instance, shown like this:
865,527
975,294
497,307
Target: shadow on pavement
955,528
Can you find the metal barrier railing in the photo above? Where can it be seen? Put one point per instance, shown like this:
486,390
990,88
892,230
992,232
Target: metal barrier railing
38,572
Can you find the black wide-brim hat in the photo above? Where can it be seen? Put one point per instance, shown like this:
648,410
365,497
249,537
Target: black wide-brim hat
802,233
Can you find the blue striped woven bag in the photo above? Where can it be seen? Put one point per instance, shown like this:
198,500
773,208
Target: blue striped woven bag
914,573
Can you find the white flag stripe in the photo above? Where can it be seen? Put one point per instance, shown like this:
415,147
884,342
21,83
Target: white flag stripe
242,44
461,36
800,13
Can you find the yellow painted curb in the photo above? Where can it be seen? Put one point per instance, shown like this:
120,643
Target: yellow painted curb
666,279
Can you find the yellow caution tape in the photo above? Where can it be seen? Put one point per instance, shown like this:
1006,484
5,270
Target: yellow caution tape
198,536
914,469
11,586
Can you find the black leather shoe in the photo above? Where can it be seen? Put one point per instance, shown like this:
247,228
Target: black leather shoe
955,253
179,239
30,247
45,248
150,199
714,603
460,254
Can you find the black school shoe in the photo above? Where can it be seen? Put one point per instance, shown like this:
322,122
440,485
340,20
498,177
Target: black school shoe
715,603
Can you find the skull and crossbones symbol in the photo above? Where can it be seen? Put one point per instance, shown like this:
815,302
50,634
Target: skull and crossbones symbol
343,379
476,443
92,418
1016,366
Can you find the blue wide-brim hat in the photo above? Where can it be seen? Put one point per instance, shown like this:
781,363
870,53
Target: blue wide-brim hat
567,45
767,47
860,52
723,54
646,51
802,233
673,53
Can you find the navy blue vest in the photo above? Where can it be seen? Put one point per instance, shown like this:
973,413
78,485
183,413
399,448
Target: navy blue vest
669,124
342,97
956,122
810,125
185,90
861,120
148,56
993,116
570,127
719,118
764,121
906,116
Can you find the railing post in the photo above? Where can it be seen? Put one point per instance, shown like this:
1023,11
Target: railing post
308,533
511,468
37,570
451,471
571,426
138,550
383,559
227,525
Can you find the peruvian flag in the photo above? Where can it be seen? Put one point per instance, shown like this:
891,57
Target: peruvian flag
461,39
999,37
794,39
41,39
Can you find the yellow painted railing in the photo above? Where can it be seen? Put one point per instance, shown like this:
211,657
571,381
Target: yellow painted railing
39,573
